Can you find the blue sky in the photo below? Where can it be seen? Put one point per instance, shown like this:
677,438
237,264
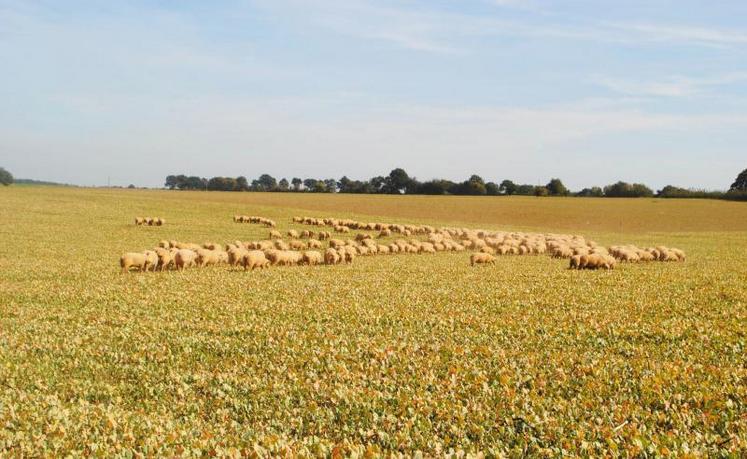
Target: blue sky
589,91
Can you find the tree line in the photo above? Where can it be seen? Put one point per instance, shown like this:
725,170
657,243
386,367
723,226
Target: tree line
399,182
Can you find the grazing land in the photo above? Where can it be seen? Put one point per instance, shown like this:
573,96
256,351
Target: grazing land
392,353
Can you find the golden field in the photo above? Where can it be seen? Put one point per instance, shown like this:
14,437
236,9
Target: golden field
392,354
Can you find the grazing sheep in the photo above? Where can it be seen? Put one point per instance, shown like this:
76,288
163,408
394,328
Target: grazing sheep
281,245
148,221
139,221
275,234
159,221
184,258
481,258
314,244
151,260
312,257
297,245
255,259
165,258
132,260
331,257
385,233
207,257
361,237
293,234
488,250
575,260
236,255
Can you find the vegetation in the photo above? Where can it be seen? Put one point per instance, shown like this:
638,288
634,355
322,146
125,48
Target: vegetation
390,354
399,182
6,178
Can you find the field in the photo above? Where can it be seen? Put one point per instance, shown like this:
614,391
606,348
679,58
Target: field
397,353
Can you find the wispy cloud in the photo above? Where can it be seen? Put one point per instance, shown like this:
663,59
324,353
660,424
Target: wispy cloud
674,86
418,28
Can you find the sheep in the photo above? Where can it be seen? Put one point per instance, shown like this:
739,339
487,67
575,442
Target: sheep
575,261
385,233
184,258
348,255
207,257
331,257
297,245
159,221
139,221
361,237
236,255
314,244
255,259
165,258
275,234
312,257
481,258
164,244
293,234
151,260
148,221
488,250
281,245
132,260
283,257
679,253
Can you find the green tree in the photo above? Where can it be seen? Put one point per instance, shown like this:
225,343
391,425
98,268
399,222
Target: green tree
296,182
267,182
398,181
740,184
492,189
6,178
283,184
556,188
508,187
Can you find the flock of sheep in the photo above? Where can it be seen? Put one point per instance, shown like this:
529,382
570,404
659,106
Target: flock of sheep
158,221
311,248
254,219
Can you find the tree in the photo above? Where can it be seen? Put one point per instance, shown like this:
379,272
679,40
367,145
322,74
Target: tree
474,186
378,184
6,178
541,191
241,183
296,182
435,187
130,186
525,190
556,188
398,181
507,187
492,189
267,182
740,184
283,184
626,190
171,182
309,184
594,192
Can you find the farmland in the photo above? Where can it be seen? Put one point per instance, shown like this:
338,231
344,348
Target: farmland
390,354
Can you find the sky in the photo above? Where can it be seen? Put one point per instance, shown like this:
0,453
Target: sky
591,91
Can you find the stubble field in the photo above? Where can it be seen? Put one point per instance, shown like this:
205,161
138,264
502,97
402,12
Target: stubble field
398,353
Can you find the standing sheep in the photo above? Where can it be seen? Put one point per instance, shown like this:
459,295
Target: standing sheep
132,260
481,258
184,258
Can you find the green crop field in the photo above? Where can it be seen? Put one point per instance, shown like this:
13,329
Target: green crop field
389,354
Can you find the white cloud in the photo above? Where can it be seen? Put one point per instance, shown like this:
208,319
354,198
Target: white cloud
674,86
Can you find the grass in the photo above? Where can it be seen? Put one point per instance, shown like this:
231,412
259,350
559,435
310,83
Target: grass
391,354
